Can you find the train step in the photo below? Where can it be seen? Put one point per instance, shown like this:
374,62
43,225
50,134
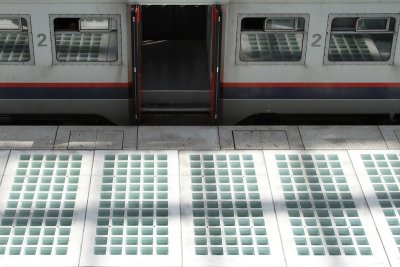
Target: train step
175,108
196,97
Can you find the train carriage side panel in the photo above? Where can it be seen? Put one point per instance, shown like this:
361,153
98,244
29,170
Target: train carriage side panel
313,86
52,87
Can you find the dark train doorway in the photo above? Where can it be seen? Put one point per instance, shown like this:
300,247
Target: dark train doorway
176,57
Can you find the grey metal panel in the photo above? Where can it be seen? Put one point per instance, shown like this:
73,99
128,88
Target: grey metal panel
342,137
116,110
235,110
101,139
287,136
27,137
255,139
96,137
178,137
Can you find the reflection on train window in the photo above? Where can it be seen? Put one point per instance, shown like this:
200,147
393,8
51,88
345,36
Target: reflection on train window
86,39
362,39
272,38
14,40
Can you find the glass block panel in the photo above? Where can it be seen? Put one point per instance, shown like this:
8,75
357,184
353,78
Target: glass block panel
227,208
384,170
134,203
40,206
133,206
321,208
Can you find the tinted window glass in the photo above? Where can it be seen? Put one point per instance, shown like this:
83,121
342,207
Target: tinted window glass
361,39
86,39
271,39
14,40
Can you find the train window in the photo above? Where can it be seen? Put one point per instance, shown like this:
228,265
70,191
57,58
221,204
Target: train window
94,24
273,38
361,39
283,24
86,39
373,24
15,40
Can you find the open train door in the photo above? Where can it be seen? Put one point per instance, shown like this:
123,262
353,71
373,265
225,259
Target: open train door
176,58
216,36
136,60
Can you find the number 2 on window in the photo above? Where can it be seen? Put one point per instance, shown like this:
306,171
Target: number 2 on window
42,39
317,37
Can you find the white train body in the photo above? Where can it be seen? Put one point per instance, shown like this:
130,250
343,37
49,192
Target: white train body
313,84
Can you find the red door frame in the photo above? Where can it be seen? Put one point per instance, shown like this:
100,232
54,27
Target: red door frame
136,60
216,36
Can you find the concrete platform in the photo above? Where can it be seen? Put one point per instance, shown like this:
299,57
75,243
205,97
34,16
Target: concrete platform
27,137
96,137
199,137
342,137
224,208
260,137
270,196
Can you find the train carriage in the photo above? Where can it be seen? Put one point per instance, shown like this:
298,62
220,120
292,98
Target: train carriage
229,59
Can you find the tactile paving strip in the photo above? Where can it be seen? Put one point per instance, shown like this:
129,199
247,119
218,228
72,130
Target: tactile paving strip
43,215
321,210
228,216
379,176
133,212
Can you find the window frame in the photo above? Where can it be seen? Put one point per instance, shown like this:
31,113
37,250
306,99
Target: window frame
27,17
117,17
241,16
359,16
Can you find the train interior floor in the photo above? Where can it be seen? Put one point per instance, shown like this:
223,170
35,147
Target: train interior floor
177,64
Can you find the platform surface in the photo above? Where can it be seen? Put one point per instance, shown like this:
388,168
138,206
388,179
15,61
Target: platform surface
227,196
199,137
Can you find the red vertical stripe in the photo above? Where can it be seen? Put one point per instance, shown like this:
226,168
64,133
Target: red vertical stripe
139,65
212,78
